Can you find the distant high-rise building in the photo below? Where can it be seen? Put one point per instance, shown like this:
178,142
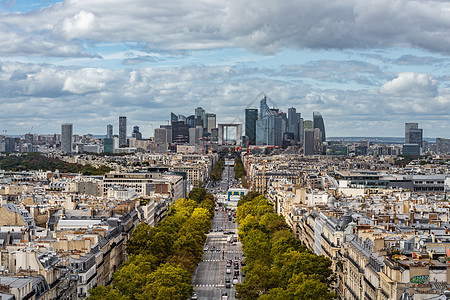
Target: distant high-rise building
191,121
413,134
122,131
200,117
264,108
66,137
161,136
195,134
318,123
169,132
442,145
294,123
308,142
108,145
136,133
173,118
109,131
211,122
10,144
408,128
251,115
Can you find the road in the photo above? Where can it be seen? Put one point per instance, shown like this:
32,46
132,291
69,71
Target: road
209,277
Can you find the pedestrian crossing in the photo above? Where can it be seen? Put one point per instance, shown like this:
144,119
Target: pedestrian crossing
209,285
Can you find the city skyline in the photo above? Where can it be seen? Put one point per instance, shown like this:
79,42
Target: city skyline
367,67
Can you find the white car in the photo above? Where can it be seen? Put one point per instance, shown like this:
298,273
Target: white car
228,271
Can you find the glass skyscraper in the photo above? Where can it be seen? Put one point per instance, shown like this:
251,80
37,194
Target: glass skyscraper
251,115
318,123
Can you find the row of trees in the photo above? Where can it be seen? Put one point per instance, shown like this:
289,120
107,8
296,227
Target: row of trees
216,173
162,259
37,161
278,266
239,171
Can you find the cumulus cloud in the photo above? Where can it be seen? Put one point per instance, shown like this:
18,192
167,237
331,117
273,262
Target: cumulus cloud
78,25
264,26
411,84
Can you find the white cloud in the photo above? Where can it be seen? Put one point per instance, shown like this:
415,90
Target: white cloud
263,26
411,84
79,25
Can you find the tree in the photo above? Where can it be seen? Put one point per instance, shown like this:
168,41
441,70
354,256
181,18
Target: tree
197,194
105,293
167,282
131,278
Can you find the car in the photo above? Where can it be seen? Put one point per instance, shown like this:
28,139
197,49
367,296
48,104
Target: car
227,280
228,285
194,297
235,281
228,271
236,273
206,248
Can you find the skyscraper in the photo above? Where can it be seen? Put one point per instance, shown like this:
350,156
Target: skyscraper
136,133
122,131
66,137
211,122
109,131
251,115
200,117
408,128
318,123
294,123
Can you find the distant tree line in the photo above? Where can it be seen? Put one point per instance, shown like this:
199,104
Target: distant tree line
278,266
216,173
37,161
239,171
162,259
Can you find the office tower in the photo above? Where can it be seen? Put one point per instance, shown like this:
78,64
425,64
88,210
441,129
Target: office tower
173,118
318,123
300,129
211,122
442,145
168,133
108,145
308,142
122,131
195,135
251,115
416,136
263,108
66,137
182,118
136,133
294,123
200,117
10,144
109,131
191,121
271,125
318,141
161,136
408,128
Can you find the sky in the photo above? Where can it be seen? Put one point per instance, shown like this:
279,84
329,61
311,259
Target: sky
367,66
